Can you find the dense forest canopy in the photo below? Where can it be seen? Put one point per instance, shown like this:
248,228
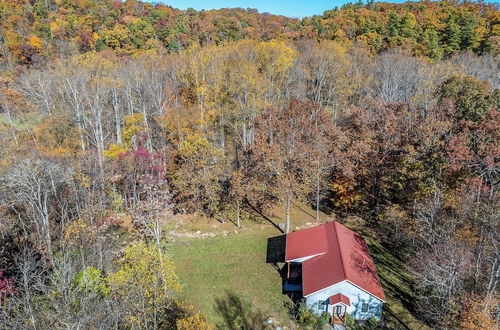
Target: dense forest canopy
37,30
123,110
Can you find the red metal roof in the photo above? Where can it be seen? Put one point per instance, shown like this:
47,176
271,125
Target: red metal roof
340,298
339,254
316,239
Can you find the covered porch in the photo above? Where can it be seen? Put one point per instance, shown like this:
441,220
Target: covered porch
293,277
339,304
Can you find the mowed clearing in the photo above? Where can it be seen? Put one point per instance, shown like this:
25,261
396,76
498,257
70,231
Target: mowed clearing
211,268
234,263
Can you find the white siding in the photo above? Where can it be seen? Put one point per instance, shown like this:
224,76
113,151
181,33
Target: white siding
304,258
356,296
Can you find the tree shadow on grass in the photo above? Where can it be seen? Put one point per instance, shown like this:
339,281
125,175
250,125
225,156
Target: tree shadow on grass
238,314
259,212
397,283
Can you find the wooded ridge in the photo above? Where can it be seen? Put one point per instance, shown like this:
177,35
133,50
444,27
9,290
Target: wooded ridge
120,120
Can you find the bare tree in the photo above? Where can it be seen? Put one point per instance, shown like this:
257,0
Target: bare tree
397,77
153,207
31,188
38,86
484,68
440,278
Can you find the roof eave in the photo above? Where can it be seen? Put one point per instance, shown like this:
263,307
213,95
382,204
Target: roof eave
341,303
308,257
326,287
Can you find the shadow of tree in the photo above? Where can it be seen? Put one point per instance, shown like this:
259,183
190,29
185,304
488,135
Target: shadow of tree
397,283
259,212
238,314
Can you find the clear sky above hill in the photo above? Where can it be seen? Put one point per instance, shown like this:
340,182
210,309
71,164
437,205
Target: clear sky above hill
291,8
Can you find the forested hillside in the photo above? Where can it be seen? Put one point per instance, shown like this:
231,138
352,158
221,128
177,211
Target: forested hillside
38,30
118,119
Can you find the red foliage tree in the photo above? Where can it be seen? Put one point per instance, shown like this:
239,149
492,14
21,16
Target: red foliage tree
7,286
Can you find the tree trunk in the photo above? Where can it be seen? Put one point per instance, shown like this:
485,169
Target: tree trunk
494,274
238,213
317,193
288,205
116,108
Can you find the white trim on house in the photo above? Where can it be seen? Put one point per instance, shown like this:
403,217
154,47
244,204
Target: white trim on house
366,291
338,303
357,286
305,258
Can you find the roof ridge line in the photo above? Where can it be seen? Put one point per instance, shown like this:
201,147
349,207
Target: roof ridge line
340,251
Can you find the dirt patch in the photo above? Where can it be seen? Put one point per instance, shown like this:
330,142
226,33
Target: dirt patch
123,221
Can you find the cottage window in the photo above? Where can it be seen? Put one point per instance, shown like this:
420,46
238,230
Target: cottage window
364,308
322,305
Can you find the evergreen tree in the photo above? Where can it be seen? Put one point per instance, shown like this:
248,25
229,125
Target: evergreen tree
451,36
433,47
468,33
394,25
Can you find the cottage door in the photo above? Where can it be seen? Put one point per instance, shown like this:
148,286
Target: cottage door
339,310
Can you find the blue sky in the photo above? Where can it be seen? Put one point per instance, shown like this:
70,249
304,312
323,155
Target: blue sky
291,8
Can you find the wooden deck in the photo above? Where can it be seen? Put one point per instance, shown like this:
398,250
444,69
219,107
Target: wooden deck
338,319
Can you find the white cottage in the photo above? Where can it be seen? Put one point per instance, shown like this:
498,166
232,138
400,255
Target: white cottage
332,266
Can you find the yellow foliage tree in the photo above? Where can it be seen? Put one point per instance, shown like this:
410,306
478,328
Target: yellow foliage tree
36,42
114,151
274,59
476,314
55,136
117,38
75,233
275,56
146,284
345,195
202,72
133,126
194,322
201,166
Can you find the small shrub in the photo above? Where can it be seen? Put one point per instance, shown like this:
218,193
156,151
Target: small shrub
349,320
373,322
308,319
90,280
194,322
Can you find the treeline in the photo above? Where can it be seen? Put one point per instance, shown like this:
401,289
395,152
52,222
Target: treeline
35,31
109,118
409,145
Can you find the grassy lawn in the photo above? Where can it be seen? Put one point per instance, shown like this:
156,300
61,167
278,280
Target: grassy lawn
210,268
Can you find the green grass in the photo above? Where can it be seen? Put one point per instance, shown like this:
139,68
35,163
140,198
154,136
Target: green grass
209,268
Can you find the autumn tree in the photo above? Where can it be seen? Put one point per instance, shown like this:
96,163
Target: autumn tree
275,59
283,150
473,99
146,286
199,172
7,287
475,315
